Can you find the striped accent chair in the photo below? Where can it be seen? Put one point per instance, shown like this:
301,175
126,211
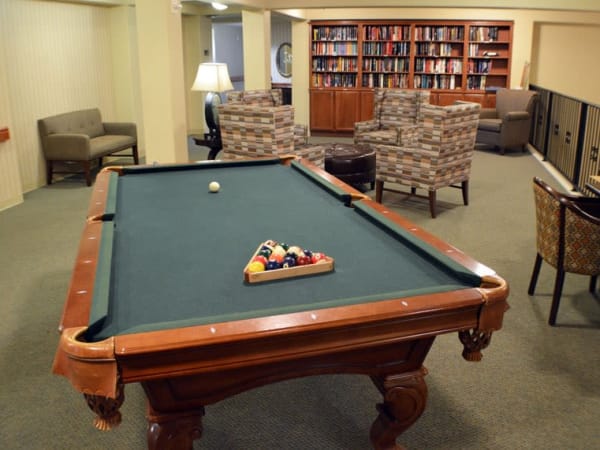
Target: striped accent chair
265,98
435,153
567,238
393,111
250,131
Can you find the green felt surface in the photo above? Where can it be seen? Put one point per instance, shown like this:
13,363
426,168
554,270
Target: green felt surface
178,251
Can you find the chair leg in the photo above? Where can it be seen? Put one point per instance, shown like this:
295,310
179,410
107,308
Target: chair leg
558,285
593,280
49,171
378,190
465,191
87,168
136,158
534,276
432,203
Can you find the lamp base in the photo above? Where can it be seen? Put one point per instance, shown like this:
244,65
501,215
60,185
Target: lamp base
212,139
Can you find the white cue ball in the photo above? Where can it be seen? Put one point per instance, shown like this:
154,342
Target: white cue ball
213,186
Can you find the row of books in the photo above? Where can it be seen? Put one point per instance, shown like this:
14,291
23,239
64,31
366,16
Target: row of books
334,64
476,82
441,33
436,82
337,33
386,80
386,48
480,66
436,49
430,65
335,48
385,32
386,64
483,34
333,80
484,51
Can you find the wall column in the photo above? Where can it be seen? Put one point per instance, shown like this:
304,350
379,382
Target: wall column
300,63
161,81
257,49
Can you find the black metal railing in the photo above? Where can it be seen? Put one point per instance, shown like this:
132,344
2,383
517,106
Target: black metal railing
566,131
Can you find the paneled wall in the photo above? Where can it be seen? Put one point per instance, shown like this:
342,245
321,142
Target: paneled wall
281,32
57,58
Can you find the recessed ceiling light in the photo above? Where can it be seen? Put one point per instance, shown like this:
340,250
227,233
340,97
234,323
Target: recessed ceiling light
219,6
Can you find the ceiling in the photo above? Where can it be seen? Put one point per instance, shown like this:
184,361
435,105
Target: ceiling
571,5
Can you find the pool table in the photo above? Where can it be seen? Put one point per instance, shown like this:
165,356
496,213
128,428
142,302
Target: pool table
158,296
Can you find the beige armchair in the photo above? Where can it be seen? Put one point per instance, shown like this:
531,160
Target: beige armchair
250,131
393,111
508,124
81,136
567,238
265,98
435,153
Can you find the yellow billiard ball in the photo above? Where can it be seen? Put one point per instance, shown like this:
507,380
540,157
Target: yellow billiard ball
256,266
213,186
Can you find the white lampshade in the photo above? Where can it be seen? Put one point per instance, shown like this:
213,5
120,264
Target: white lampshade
212,77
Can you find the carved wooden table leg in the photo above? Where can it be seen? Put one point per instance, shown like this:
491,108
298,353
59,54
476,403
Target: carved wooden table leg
174,431
107,409
404,399
473,342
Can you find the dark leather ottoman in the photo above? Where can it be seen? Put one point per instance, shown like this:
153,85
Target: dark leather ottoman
354,164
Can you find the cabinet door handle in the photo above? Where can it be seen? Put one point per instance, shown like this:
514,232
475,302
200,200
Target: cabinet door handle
568,137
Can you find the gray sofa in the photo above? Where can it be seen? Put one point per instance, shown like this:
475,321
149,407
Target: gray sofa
81,136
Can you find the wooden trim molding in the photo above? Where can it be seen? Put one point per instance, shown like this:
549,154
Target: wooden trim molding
4,134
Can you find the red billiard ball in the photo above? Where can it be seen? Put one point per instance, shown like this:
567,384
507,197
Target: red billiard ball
261,259
302,260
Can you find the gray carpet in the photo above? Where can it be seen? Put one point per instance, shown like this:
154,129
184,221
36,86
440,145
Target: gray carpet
538,387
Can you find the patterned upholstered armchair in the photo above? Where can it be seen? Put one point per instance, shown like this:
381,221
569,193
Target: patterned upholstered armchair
393,111
267,97
433,154
567,238
251,131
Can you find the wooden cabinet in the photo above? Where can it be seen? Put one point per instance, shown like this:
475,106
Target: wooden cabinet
335,110
456,60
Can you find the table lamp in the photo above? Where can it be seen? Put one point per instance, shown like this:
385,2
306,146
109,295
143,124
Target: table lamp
212,78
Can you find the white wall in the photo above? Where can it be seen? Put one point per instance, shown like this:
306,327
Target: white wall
50,69
228,48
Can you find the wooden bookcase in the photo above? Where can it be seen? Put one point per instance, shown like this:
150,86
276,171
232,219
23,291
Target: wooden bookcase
455,60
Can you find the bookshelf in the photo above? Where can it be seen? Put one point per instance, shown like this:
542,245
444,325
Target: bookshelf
455,60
